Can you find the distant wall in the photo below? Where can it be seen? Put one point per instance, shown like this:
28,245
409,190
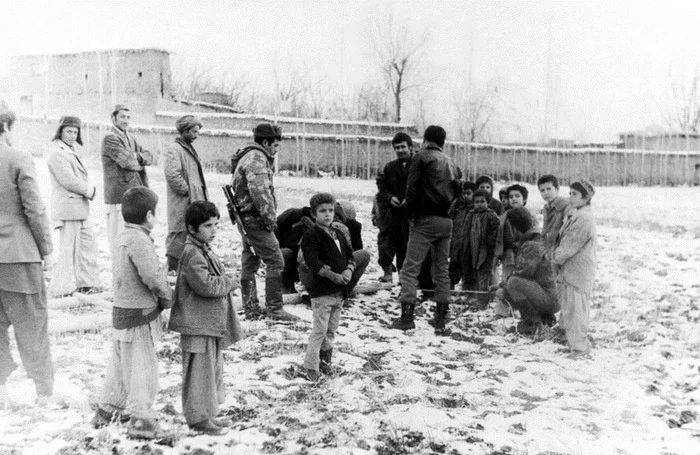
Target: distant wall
364,156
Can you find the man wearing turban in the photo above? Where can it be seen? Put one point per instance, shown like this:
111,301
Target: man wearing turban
185,184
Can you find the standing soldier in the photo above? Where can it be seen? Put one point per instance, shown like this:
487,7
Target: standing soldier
25,242
185,179
124,164
392,194
254,196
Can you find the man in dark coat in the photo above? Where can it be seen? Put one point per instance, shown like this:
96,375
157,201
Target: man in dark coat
433,183
391,183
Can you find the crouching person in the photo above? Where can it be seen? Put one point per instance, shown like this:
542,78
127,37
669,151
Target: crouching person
330,259
141,292
203,314
530,289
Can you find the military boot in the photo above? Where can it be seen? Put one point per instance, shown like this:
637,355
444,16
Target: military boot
440,317
405,322
273,300
251,303
326,358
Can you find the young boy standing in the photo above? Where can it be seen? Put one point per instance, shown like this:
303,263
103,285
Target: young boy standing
553,211
141,292
203,314
481,230
329,257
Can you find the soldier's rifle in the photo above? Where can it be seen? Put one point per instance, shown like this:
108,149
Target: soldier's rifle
234,211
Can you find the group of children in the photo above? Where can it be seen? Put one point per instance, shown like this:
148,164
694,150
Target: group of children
202,312
484,250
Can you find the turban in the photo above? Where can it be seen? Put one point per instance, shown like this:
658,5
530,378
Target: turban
186,122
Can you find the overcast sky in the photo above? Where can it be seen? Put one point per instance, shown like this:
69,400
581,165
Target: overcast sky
587,70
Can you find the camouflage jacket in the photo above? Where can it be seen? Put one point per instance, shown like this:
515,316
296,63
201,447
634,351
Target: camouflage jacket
252,184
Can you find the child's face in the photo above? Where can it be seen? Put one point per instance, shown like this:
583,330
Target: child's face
485,186
206,232
468,194
480,203
515,199
150,221
504,199
548,191
325,213
576,198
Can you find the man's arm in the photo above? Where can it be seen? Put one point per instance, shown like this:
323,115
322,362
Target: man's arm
172,169
60,167
202,281
415,175
143,256
33,205
258,177
115,150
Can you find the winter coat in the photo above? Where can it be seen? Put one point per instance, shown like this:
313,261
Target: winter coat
391,182
124,164
139,280
552,221
320,251
202,302
575,256
532,262
25,233
71,192
458,212
481,228
433,183
252,184
185,182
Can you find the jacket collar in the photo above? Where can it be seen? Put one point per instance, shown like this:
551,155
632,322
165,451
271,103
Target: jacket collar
118,132
139,227
187,146
201,245
432,146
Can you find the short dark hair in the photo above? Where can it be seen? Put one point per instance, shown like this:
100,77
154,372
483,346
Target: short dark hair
549,178
435,134
402,137
320,198
502,192
520,218
7,117
137,202
199,212
467,185
482,193
520,189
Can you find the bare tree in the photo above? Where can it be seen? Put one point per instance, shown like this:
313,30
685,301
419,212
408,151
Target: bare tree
682,102
399,54
475,110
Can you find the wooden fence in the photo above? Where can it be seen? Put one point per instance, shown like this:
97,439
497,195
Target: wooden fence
313,154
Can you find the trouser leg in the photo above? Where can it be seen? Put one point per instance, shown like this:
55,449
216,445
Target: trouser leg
87,272
419,242
202,384
361,258
27,314
321,307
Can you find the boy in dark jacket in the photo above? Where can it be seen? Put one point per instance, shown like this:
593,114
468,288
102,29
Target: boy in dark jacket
481,228
458,212
553,211
329,257
203,314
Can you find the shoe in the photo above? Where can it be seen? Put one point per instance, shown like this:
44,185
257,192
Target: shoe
325,365
144,428
279,314
306,299
206,427
405,322
549,320
440,317
528,327
309,374
89,290
222,423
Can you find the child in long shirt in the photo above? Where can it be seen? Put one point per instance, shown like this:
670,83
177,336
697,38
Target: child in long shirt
141,292
458,212
575,260
329,257
481,230
203,314
553,211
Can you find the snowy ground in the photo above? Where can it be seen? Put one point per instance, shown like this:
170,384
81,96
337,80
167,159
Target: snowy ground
484,389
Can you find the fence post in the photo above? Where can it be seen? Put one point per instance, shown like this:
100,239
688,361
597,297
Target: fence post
298,149
369,155
303,150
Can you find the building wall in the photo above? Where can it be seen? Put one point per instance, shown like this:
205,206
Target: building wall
661,142
88,84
